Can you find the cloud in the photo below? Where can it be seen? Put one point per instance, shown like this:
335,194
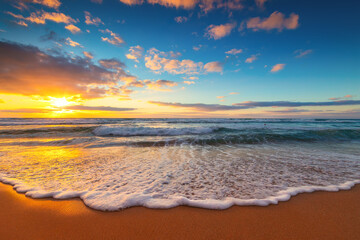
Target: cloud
89,20
112,63
40,17
189,82
250,104
233,93
48,3
135,53
72,43
97,1
276,20
51,36
204,5
21,23
98,108
2,101
197,48
197,106
220,97
341,98
115,40
181,19
214,67
234,51
159,61
25,70
160,85
292,110
252,58
277,67
260,3
73,29
301,53
27,110
219,31
88,55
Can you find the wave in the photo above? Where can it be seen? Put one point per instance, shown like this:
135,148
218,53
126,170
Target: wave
46,130
147,131
110,201
234,134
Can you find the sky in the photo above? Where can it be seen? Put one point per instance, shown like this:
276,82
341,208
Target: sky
180,58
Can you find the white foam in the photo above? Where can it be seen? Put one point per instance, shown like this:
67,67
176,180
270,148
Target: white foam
107,201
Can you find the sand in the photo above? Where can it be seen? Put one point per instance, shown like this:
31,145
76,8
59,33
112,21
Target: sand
320,215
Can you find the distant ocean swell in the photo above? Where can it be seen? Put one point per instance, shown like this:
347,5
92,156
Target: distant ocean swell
189,135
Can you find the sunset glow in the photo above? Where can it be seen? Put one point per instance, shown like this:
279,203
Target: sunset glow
179,59
59,102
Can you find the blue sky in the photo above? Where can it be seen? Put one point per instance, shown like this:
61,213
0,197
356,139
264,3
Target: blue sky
294,51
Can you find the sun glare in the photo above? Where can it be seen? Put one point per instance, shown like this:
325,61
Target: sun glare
59,102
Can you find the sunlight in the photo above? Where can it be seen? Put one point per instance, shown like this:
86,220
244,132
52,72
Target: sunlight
59,102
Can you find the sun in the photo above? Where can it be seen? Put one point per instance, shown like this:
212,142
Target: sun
59,102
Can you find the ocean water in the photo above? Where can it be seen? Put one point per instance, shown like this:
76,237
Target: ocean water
113,164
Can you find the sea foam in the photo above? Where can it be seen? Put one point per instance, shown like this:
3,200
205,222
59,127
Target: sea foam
105,201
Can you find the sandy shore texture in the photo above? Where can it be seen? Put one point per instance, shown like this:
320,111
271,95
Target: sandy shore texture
320,215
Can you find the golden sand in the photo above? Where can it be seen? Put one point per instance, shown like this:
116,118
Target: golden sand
320,215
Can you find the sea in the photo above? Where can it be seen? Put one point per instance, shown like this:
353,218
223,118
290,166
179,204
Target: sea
112,164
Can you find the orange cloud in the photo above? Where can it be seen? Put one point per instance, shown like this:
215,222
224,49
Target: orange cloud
234,51
276,20
132,2
135,53
277,67
187,4
115,40
73,29
89,20
40,17
21,4
189,82
21,23
88,55
72,43
32,72
160,85
219,31
251,59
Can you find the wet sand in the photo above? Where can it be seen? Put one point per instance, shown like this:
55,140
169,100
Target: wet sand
319,215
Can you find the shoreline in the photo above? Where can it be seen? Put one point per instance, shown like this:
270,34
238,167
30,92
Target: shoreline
317,215
211,204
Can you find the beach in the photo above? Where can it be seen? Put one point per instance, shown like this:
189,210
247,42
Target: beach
318,215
